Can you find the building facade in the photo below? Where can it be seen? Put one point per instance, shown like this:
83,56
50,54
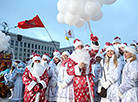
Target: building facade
24,48
69,49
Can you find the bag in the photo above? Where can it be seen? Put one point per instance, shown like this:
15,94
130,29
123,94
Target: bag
103,92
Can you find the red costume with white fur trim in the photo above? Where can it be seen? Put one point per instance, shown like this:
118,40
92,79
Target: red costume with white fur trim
31,80
83,79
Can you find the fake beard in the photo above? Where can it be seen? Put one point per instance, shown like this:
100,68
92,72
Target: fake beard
38,69
81,56
44,64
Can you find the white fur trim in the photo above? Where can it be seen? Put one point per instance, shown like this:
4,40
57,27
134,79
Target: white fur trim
45,56
110,48
77,43
37,97
87,47
131,49
77,70
56,53
120,94
94,47
106,84
64,84
111,80
36,58
116,40
31,85
43,83
122,45
56,56
66,53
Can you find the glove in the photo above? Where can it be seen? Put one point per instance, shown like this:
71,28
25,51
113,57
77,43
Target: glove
40,85
103,92
54,84
106,84
36,88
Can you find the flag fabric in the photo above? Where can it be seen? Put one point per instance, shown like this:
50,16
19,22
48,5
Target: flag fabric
35,22
69,33
66,38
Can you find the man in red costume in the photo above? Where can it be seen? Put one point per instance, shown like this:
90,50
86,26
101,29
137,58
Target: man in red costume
35,79
79,65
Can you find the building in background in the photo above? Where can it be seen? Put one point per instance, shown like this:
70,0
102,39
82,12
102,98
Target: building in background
69,49
24,46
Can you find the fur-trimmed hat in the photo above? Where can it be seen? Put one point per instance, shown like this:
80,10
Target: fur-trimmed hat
56,52
123,45
77,42
36,57
110,48
131,49
46,55
56,56
107,44
65,53
87,46
116,39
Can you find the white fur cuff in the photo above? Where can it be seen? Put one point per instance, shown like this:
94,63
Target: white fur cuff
43,83
106,84
94,47
120,94
77,70
31,85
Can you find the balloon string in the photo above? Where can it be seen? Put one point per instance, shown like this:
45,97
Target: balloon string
89,27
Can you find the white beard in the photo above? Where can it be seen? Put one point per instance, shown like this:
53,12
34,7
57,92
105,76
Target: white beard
80,56
44,64
37,69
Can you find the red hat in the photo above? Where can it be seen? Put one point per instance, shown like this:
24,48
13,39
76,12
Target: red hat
87,46
123,45
56,52
36,57
46,55
107,44
116,39
77,42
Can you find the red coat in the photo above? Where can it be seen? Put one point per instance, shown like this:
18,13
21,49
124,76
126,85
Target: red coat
82,91
31,93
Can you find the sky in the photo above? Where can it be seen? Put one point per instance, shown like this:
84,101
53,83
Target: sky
119,19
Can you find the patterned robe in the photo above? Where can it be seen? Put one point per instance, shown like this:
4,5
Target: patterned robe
83,79
33,93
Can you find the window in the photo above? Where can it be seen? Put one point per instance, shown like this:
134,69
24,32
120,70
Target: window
16,44
24,44
42,47
45,47
35,46
28,50
12,42
32,51
21,43
20,54
20,49
35,51
28,45
28,55
24,54
39,47
53,50
32,46
38,52
16,49
16,54
24,50
50,48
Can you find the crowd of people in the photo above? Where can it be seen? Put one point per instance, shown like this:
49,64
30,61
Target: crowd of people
85,75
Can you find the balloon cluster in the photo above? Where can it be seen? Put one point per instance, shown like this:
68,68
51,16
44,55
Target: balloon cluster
77,12
4,42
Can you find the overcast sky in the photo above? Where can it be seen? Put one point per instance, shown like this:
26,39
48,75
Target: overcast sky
119,19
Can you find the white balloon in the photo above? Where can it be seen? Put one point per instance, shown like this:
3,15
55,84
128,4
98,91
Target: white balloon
98,17
74,7
92,8
83,16
100,1
79,24
62,6
60,18
70,19
109,2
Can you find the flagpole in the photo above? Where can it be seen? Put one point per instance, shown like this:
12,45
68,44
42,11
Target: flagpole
51,38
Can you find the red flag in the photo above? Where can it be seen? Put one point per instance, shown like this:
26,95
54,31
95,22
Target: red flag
35,22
